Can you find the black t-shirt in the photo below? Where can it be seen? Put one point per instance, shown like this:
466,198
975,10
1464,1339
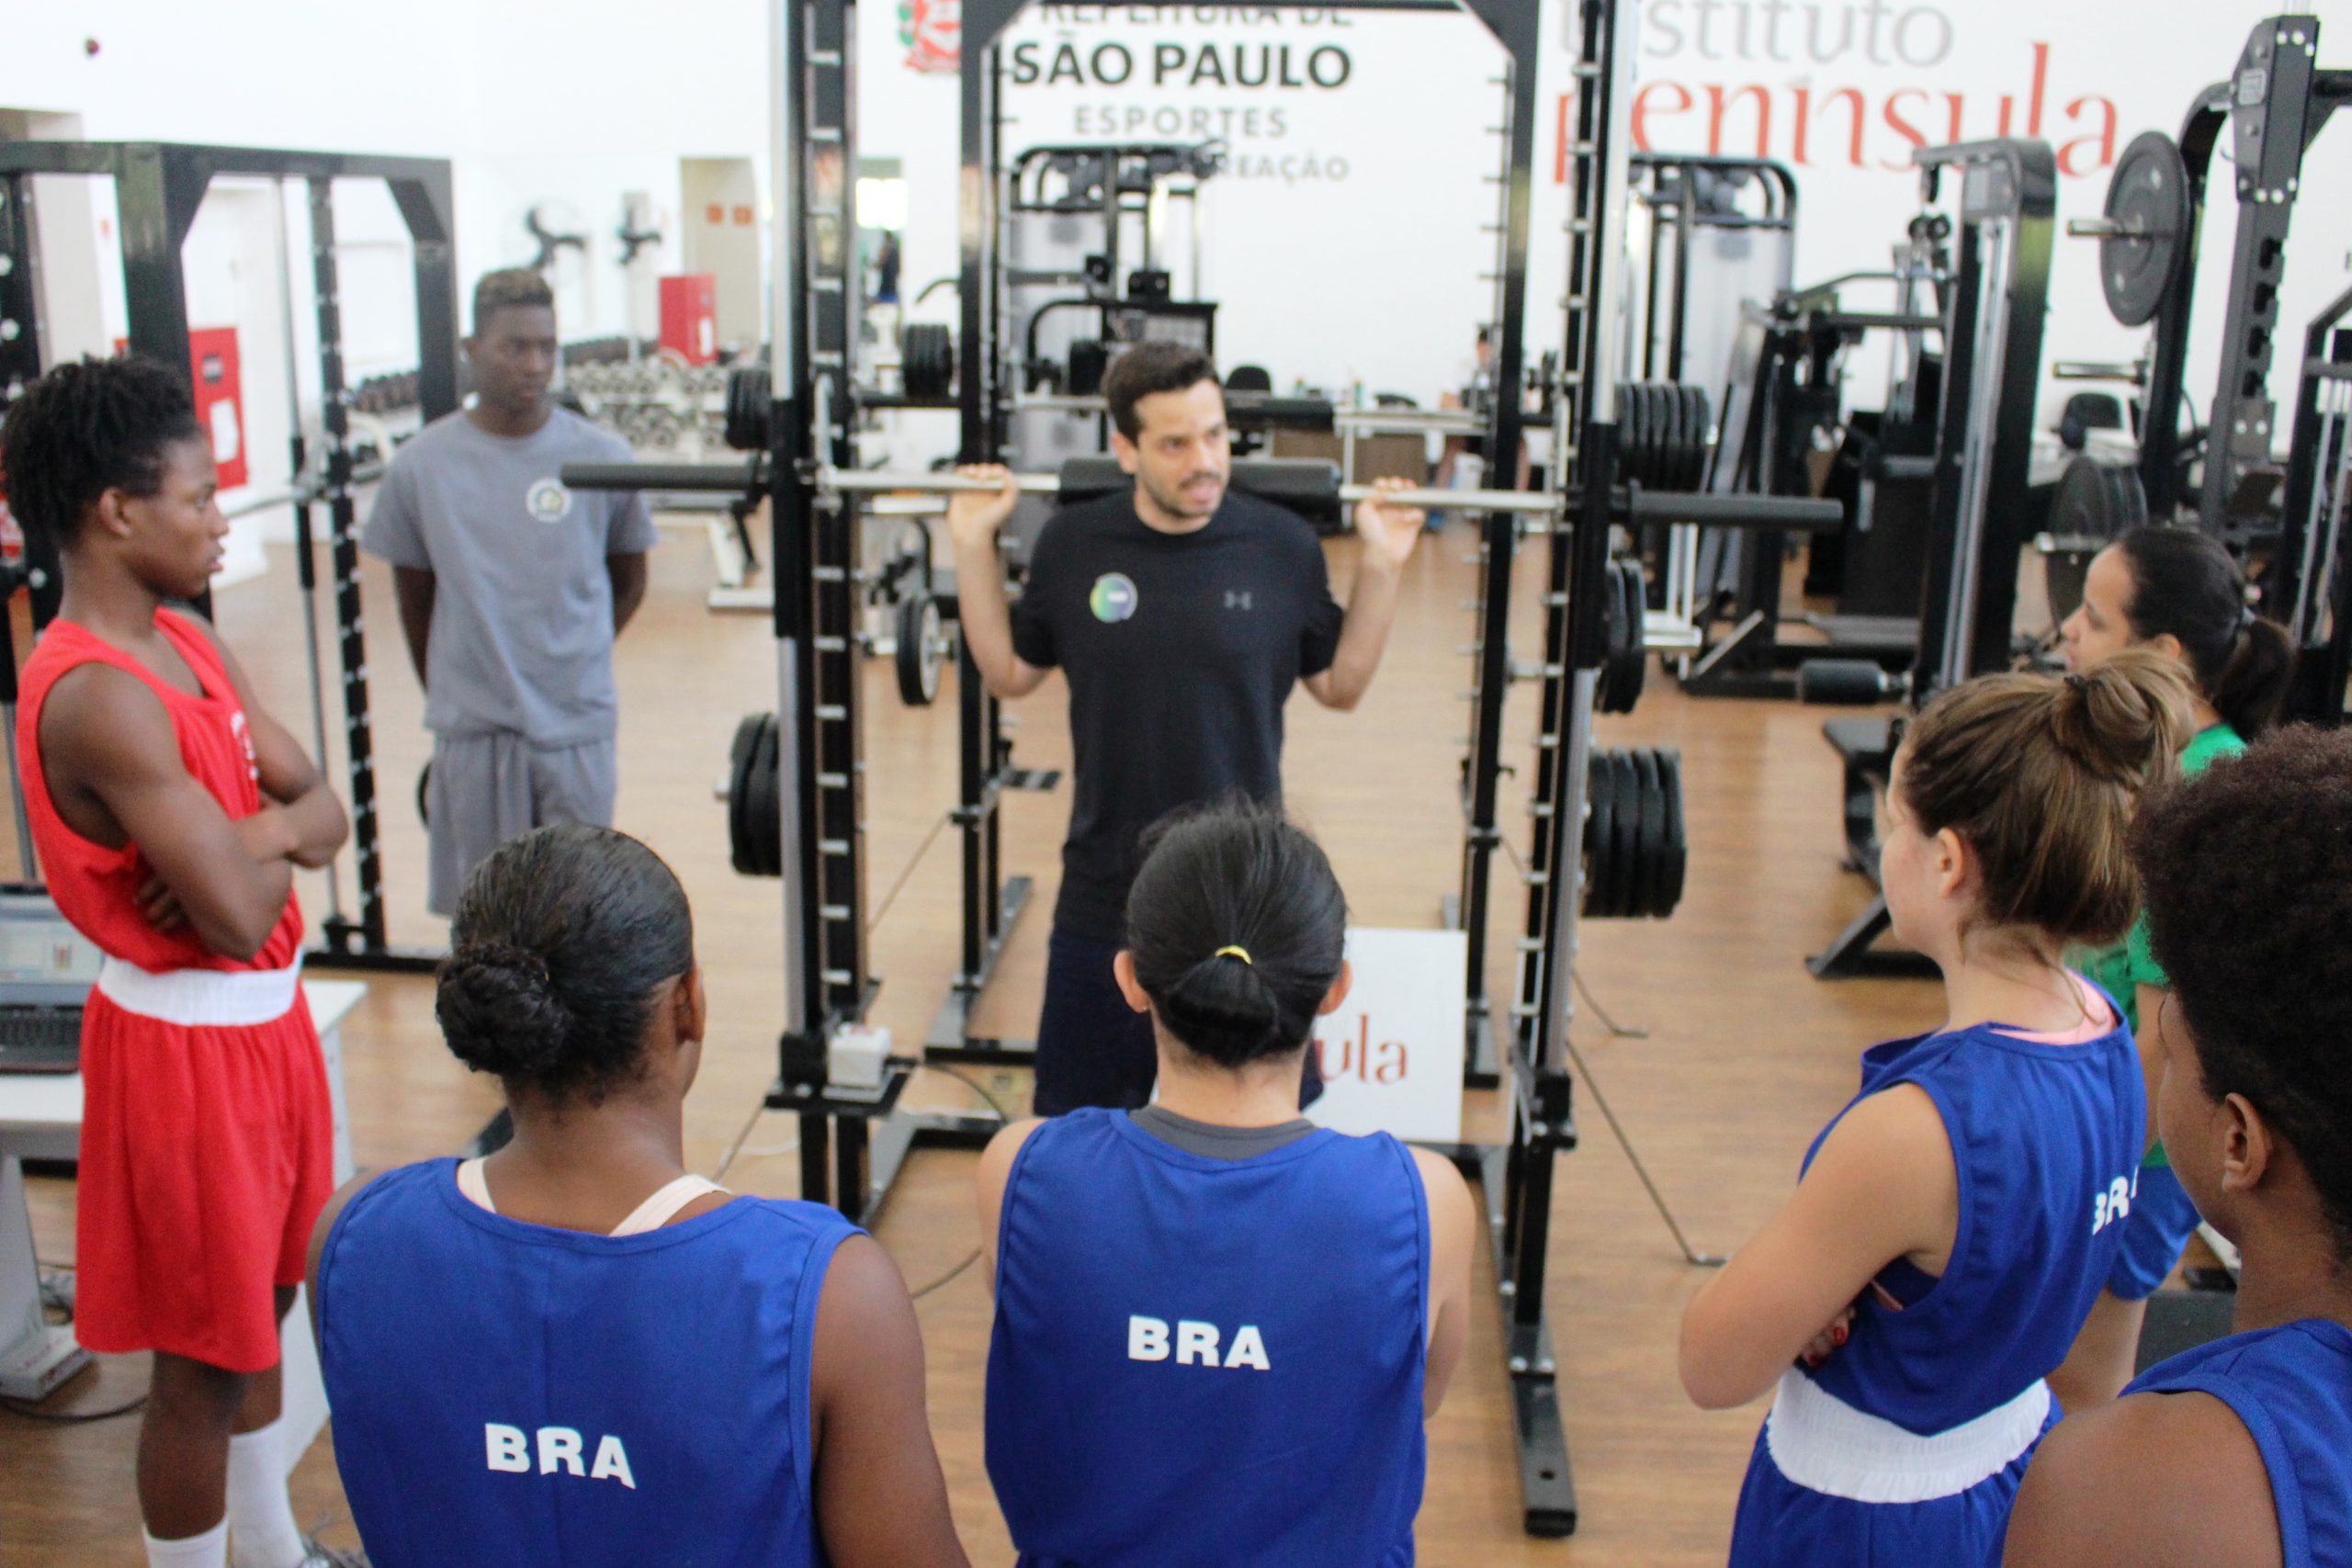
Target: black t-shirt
1181,650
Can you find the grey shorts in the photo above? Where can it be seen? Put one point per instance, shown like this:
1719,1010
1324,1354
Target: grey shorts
486,789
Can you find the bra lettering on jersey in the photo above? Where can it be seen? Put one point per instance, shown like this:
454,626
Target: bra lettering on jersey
1195,1344
2115,1202
561,1447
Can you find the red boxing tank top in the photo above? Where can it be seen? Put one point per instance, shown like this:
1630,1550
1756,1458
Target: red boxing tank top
96,888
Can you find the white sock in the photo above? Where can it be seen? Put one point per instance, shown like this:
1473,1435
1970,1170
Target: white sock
261,1516
209,1549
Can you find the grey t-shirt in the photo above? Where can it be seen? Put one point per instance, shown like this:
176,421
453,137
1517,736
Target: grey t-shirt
523,607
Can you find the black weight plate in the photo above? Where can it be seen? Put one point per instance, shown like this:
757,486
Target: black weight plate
770,826
739,790
1670,448
1637,650
2131,500
1694,473
2082,507
1629,834
1606,696
749,403
1662,433
1629,432
1699,417
1650,841
1600,830
1677,859
2149,196
918,656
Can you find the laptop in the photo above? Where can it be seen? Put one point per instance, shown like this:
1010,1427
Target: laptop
46,971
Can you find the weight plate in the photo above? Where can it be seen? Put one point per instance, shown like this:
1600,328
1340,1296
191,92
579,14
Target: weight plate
423,782
1599,831
1700,414
1629,432
928,360
1661,441
749,405
739,757
2085,505
1677,859
1605,694
2148,197
1650,841
1637,652
919,645
1629,834
1677,445
767,825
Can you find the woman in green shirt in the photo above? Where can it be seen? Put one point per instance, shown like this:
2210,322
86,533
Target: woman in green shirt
2178,592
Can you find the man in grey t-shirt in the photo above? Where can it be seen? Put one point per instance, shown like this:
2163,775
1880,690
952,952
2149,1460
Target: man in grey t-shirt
510,588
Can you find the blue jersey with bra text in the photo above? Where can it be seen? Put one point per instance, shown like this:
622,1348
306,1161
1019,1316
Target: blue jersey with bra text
1201,1360
2292,1387
2046,1142
512,1392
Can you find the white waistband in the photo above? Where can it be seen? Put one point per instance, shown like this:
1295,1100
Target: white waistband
1825,1445
202,997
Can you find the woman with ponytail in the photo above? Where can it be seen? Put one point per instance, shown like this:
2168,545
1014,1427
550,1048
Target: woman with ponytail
572,1352
2177,593
1954,1221
1219,1329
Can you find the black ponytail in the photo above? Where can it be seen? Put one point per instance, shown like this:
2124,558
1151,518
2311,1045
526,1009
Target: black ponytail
2186,584
1236,877
562,941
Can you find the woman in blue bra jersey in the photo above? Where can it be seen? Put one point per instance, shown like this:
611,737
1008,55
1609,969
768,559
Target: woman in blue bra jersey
574,1353
1954,1221
2175,593
1219,1329
2239,1451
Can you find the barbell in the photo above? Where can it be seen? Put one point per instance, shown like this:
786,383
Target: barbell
2144,235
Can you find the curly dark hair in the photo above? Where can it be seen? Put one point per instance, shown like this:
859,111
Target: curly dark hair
85,428
514,286
2248,872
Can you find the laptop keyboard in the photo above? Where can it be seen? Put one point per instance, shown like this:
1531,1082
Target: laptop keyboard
42,1039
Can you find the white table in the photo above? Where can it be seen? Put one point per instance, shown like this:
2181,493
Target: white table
40,1118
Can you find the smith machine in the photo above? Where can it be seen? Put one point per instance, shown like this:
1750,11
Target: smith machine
795,780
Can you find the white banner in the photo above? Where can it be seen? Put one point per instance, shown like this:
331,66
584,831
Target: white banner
1392,1055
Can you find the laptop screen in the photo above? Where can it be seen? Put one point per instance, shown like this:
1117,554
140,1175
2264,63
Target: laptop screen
44,962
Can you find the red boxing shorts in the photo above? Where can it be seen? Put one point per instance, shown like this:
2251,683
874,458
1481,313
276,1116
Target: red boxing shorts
206,1154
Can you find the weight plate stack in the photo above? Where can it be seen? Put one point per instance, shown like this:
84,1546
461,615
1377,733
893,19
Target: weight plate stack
1626,664
928,361
1635,854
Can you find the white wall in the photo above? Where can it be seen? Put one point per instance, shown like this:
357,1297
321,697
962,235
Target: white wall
1372,274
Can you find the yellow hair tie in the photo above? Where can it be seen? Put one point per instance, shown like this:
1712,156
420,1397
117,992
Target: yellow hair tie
1240,952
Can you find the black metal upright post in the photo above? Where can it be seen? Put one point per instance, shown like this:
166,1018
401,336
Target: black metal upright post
1516,27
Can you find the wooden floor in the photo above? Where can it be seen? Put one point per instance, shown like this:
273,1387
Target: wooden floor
1743,1058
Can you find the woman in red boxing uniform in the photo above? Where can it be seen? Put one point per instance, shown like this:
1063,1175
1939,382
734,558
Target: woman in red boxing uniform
169,813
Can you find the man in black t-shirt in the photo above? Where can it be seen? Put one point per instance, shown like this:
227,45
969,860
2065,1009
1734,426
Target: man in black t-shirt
1182,615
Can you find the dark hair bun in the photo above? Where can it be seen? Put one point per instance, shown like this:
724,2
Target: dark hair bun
2126,718
1223,1009
499,1009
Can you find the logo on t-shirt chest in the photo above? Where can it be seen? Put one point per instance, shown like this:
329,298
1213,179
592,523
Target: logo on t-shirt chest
1113,598
547,501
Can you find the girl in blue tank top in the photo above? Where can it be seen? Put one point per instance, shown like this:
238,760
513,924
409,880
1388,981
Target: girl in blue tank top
2239,1451
2177,592
574,1353
1219,1329
1954,1221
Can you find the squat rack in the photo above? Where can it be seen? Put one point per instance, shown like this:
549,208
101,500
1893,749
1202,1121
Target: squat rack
158,188
796,784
